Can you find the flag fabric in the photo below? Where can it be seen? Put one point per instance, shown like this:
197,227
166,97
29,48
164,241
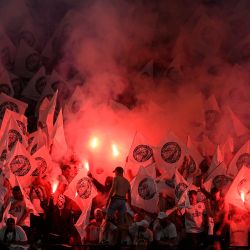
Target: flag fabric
181,185
82,191
47,117
83,222
219,178
7,102
36,85
37,139
21,165
8,51
170,154
59,144
73,106
13,134
43,105
241,158
207,147
166,186
193,159
140,154
30,207
239,128
56,82
43,161
17,83
217,159
228,149
20,119
212,112
27,62
5,83
28,35
239,191
144,193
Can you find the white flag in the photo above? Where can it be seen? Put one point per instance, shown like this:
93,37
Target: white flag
140,154
170,154
219,178
239,128
239,192
20,119
212,112
241,158
180,187
21,165
8,51
218,158
47,117
59,144
37,139
81,189
74,105
30,207
7,102
144,193
13,134
36,85
5,83
43,162
27,62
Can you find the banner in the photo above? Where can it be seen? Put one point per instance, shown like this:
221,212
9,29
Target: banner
140,154
144,193
239,192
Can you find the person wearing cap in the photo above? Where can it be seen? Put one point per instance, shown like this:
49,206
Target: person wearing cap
119,193
141,235
165,234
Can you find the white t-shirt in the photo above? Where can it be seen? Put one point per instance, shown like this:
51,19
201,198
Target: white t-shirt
239,233
194,218
20,234
167,233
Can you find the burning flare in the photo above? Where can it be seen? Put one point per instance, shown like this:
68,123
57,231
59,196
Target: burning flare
94,142
242,195
86,165
115,150
54,186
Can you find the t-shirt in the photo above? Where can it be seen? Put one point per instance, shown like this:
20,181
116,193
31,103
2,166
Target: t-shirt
167,233
20,234
194,218
239,233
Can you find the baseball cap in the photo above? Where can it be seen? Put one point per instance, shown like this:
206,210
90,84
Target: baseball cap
162,215
119,170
